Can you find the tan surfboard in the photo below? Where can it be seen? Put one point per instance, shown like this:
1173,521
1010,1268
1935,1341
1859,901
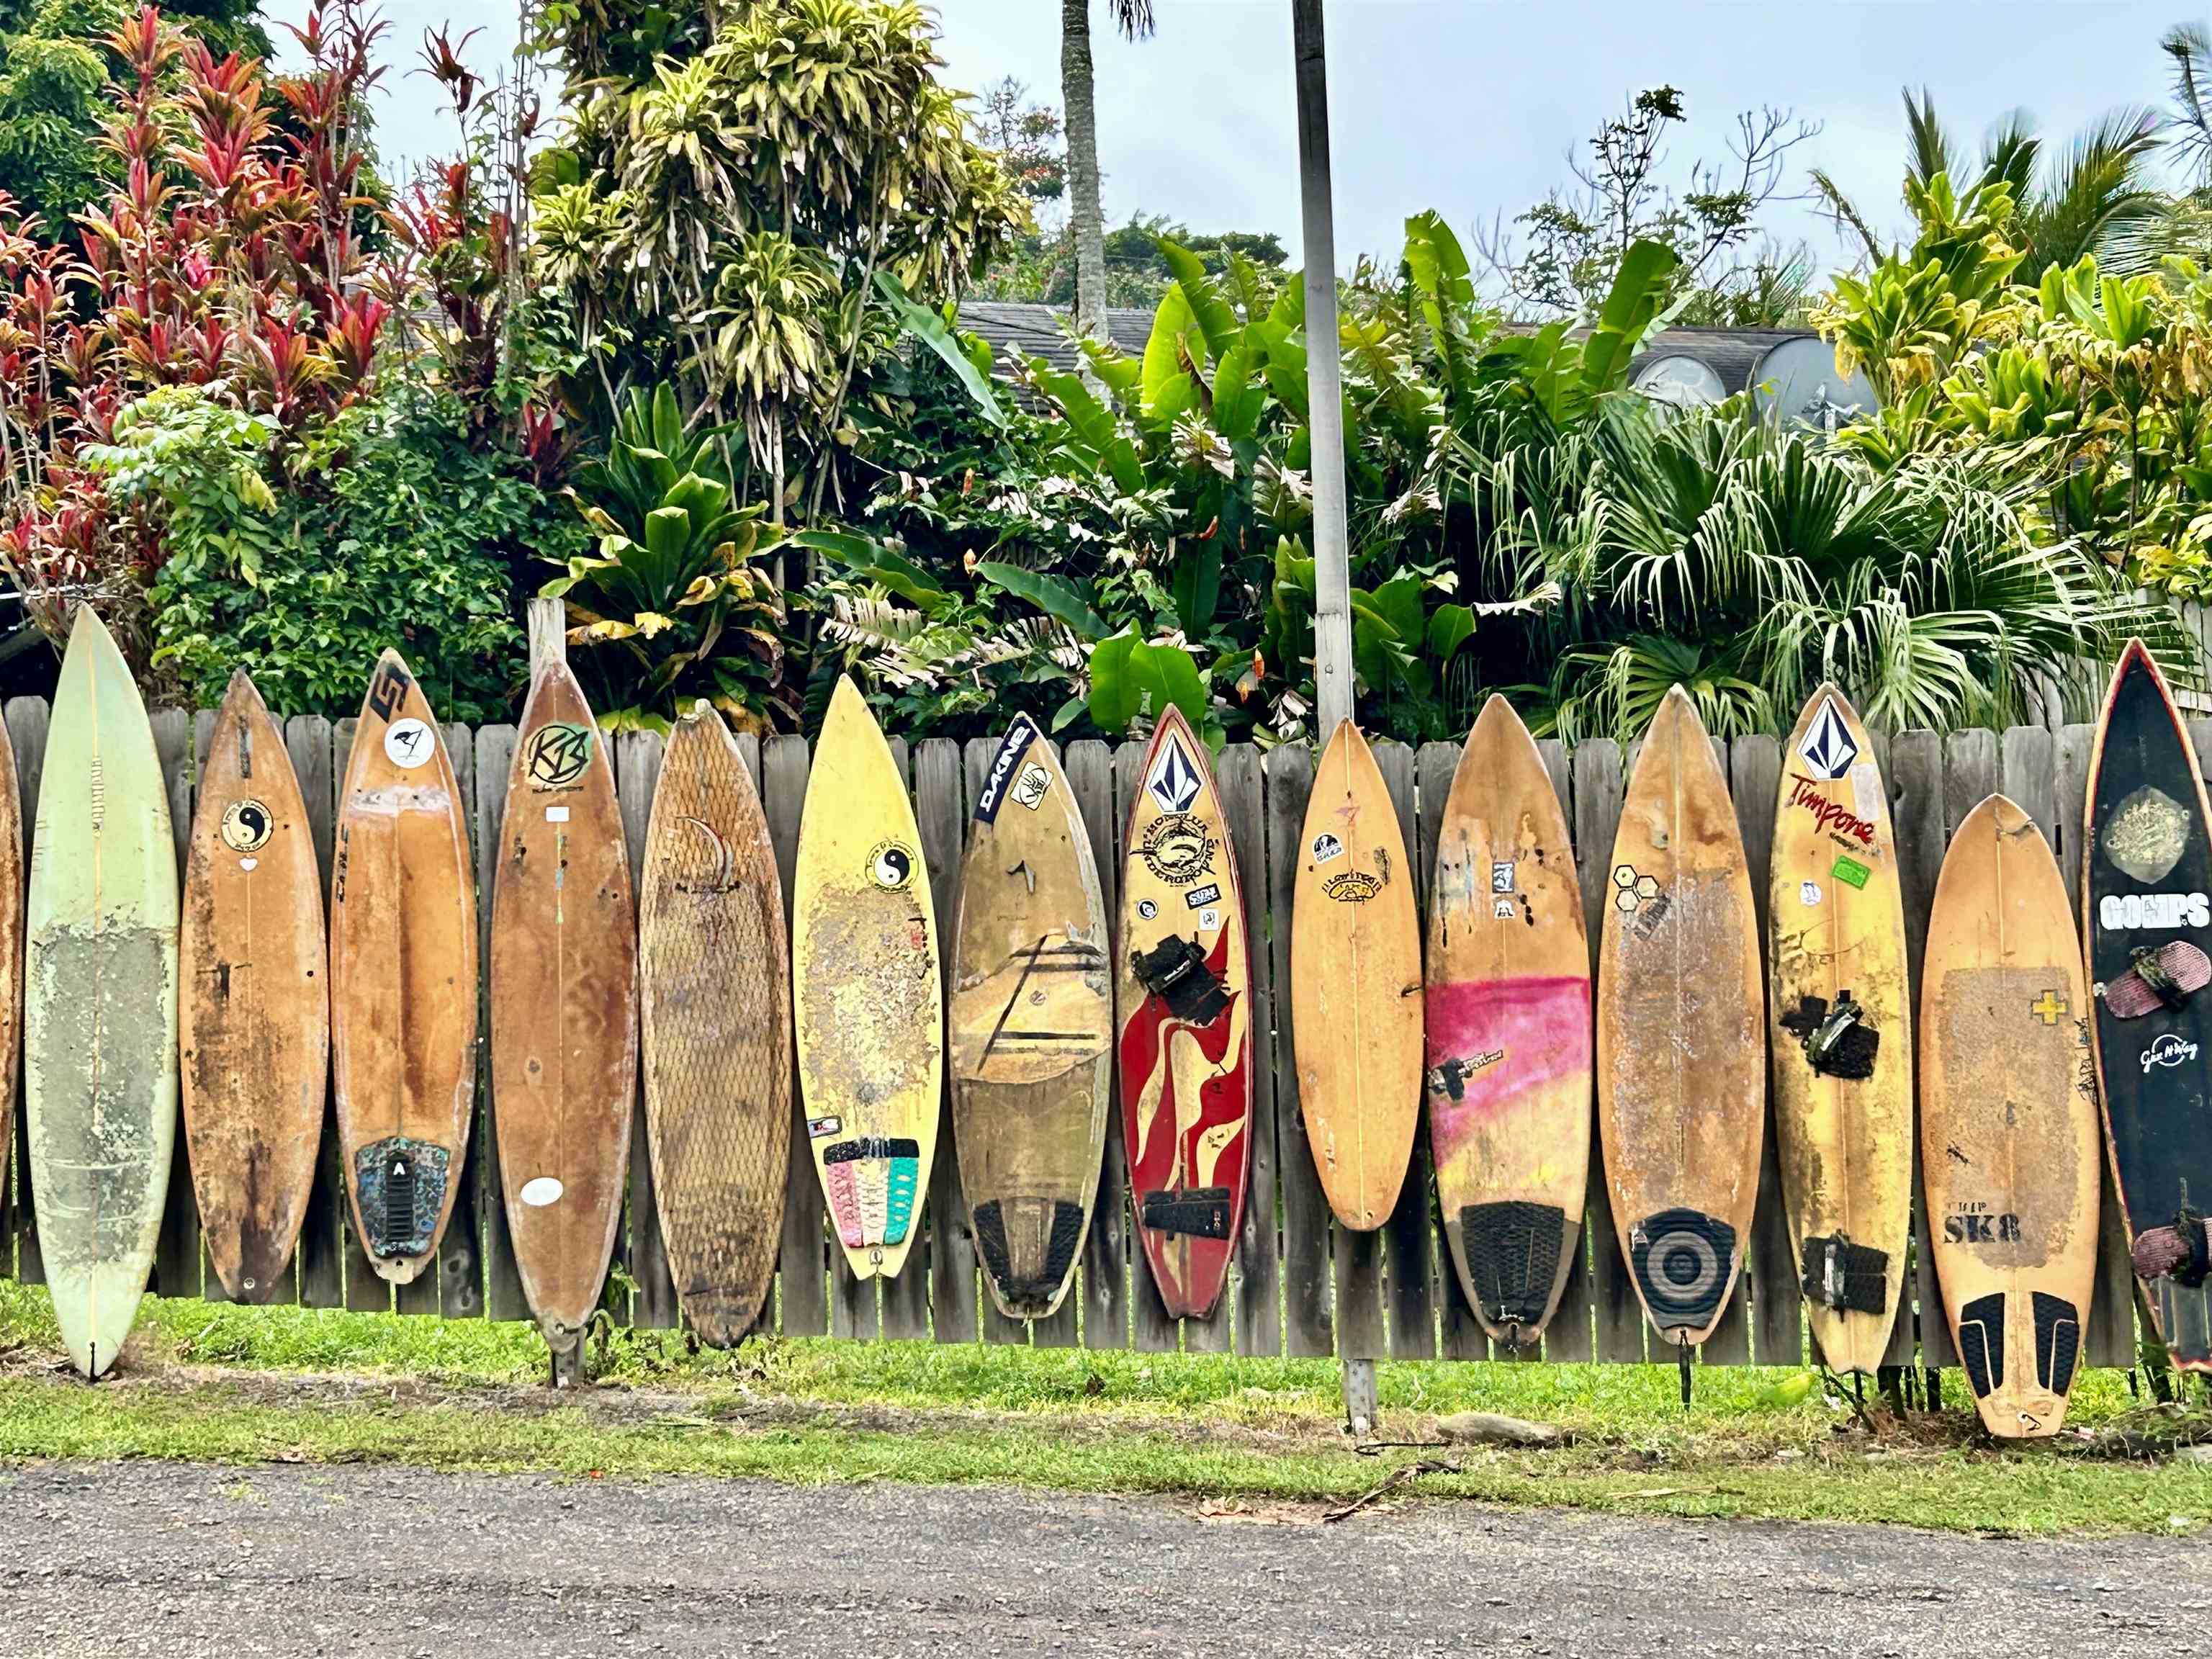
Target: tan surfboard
1840,1043
1032,1027
867,990
2009,1120
1509,1042
1681,1033
1356,985
1184,999
563,1006
715,981
402,977
254,1016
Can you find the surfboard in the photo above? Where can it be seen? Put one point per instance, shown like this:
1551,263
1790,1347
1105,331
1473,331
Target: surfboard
99,1007
715,980
1510,1044
868,989
2009,1120
403,978
1032,1027
1183,995
563,1006
1681,1033
2146,916
254,1014
1356,985
1840,1037
13,875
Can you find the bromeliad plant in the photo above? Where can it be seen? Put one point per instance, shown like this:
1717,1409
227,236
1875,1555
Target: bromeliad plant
677,594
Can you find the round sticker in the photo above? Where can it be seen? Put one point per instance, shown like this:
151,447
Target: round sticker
890,867
1147,909
408,744
541,1192
246,826
556,755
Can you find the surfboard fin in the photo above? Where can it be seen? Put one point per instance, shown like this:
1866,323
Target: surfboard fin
2164,976
1175,971
1846,1277
1837,1041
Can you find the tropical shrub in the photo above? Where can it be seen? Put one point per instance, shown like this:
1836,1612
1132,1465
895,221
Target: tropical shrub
676,603
229,259
393,530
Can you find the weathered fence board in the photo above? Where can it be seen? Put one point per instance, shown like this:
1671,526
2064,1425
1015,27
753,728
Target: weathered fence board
1301,1284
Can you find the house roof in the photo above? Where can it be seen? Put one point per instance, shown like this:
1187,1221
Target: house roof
1040,331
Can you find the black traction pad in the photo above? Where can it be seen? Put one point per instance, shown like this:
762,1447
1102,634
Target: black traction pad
1060,1250
847,1151
2058,1341
1683,1260
402,1186
1512,1258
1175,971
1846,1277
1198,1212
1981,1342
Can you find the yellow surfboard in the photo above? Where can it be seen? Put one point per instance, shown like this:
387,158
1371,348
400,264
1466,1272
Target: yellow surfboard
867,986
1356,985
2008,1124
1841,1034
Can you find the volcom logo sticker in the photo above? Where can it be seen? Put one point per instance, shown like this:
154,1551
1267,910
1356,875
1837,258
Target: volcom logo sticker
1827,749
1174,782
2169,1050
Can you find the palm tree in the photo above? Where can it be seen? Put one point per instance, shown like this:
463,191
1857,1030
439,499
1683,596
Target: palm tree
2098,197
1086,221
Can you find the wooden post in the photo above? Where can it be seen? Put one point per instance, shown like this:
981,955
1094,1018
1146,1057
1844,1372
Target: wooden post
1332,534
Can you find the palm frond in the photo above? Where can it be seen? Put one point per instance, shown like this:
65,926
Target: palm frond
2103,186
2190,48
2010,153
1132,17
1927,148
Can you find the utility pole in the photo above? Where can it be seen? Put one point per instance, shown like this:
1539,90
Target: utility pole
1332,534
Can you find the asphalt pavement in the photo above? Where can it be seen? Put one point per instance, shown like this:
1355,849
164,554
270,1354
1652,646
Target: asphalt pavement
366,1562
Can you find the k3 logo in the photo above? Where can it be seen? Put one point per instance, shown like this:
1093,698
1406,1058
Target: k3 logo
389,689
557,755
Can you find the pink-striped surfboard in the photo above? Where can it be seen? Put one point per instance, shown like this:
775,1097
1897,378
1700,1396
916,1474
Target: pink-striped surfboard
1509,1047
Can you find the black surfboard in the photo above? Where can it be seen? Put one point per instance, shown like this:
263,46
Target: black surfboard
2146,914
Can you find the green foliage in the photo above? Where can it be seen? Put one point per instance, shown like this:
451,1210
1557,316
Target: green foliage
674,598
385,529
1040,268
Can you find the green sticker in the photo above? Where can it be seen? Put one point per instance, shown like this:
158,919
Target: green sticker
1851,871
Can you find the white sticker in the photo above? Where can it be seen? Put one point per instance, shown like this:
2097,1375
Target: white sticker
1325,847
557,815
1209,919
1501,876
1030,788
1502,909
1808,892
541,1192
247,864
1866,795
408,744
1147,909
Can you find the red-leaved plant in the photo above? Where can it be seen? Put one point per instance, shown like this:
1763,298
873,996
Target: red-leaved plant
229,258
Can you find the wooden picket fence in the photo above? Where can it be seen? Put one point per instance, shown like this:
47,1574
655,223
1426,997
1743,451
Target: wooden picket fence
1302,1284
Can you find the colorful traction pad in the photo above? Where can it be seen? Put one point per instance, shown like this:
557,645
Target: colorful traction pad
872,1183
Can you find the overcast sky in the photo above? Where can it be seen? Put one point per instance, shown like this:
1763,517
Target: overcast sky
1472,107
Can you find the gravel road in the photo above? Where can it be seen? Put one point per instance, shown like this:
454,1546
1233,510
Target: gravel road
180,1560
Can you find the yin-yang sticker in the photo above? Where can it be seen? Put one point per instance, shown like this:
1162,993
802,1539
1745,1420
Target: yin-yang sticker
246,826
890,867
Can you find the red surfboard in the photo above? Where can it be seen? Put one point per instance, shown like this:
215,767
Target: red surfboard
1184,993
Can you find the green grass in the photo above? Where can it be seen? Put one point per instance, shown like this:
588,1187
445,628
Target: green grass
225,1384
